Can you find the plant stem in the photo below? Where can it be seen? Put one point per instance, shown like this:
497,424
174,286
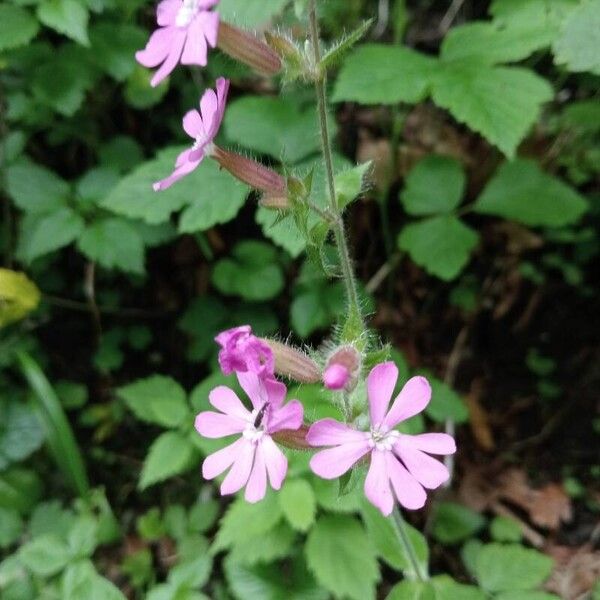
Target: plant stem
410,551
338,224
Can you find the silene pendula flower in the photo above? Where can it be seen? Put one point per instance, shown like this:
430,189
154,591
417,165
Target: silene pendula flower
186,29
241,351
398,461
202,126
254,456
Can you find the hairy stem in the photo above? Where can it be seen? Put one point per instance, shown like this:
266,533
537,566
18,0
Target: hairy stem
338,224
405,540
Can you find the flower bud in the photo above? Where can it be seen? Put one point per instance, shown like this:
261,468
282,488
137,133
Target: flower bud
251,172
342,369
293,363
248,49
274,201
336,377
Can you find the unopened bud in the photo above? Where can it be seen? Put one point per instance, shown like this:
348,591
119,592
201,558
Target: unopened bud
293,363
342,369
293,438
287,50
336,377
274,201
248,49
251,172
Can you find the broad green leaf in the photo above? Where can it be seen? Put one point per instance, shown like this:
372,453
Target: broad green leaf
441,245
11,526
435,185
204,318
17,27
445,403
114,45
448,589
135,198
273,126
297,501
455,523
283,233
500,103
21,432
328,495
412,590
503,568
578,45
80,580
95,184
51,518
384,536
503,529
34,188
157,399
139,92
491,43
341,557
69,17
250,14
114,244
121,153
45,555
20,489
170,454
276,543
349,184
83,537
18,296
521,191
528,595
383,74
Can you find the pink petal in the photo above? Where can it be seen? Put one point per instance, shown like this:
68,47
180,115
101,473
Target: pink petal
215,425
226,400
377,485
380,387
433,443
166,13
276,391
208,107
289,416
411,400
195,50
329,432
275,461
428,471
209,25
407,489
183,157
240,471
254,388
335,377
180,172
157,48
172,59
226,336
333,462
192,124
257,483
217,462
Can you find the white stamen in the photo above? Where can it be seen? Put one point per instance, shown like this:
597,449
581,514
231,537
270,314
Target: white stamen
383,439
252,432
189,9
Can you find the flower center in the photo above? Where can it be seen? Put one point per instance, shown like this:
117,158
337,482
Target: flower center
383,439
256,427
189,9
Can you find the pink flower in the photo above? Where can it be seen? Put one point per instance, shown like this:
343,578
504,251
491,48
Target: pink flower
186,30
242,351
202,126
395,458
254,456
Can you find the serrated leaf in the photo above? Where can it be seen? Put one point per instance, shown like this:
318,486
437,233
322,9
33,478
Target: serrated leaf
435,185
500,103
17,27
455,523
170,454
11,526
504,529
34,188
157,399
68,17
81,580
441,245
578,45
275,544
382,74
521,191
114,45
341,557
412,590
114,244
284,233
297,501
45,555
447,589
349,184
445,403
250,13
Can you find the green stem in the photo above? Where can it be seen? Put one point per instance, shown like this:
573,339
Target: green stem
405,540
338,223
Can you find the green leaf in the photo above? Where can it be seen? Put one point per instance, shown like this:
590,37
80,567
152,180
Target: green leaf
297,501
491,43
447,589
212,196
503,568
21,433
95,183
114,45
140,93
384,536
80,580
284,233
435,185
577,46
382,74
341,557
34,188
20,489
45,556
68,17
170,454
250,13
441,245
349,184
503,529
251,273
521,191
114,244
157,399
454,523
412,590
11,527
477,95
273,126
275,544
529,595
83,537
17,27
